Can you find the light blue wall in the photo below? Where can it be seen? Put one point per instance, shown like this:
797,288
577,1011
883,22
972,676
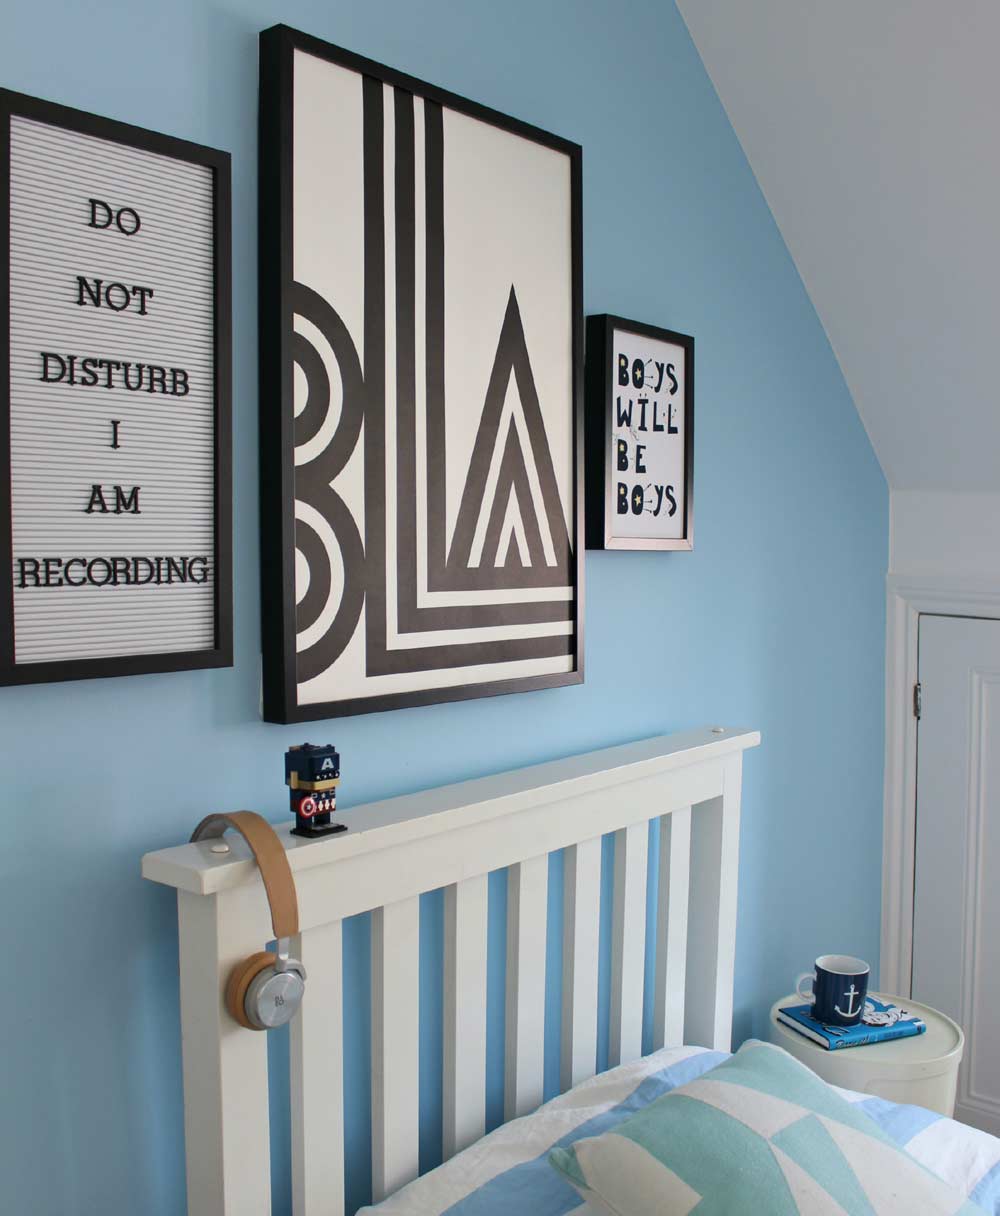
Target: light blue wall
775,621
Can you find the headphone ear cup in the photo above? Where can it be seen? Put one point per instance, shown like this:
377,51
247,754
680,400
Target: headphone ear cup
240,979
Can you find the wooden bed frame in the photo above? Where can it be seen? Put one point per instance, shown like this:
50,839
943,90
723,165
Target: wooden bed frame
452,838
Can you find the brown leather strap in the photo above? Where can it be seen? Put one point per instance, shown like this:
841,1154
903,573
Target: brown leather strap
266,846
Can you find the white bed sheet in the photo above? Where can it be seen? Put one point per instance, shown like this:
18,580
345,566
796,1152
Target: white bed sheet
507,1173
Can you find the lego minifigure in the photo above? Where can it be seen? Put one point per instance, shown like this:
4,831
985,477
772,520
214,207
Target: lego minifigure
312,774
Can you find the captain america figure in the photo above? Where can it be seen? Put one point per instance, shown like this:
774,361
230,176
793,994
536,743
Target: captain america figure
312,774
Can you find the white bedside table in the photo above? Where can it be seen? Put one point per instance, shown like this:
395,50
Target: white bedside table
921,1070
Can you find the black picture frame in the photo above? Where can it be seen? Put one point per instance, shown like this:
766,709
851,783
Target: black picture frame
277,526
600,400
219,162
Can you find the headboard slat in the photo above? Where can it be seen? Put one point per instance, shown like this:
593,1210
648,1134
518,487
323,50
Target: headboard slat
395,1045
466,908
581,943
628,943
527,914
711,946
671,928
316,1077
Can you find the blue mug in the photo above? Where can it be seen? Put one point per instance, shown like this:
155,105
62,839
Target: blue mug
839,987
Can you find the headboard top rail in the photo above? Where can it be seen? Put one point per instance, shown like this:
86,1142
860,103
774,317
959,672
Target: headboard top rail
394,821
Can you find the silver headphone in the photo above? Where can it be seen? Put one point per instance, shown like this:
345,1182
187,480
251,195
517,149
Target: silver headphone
275,993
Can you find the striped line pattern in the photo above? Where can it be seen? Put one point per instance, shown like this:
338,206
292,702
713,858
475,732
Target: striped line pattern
434,489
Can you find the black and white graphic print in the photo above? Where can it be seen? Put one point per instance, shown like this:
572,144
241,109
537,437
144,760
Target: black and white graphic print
433,391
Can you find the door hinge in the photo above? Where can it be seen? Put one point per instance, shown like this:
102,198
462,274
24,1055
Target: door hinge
917,701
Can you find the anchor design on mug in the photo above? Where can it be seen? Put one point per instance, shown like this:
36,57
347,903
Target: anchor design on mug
839,985
852,992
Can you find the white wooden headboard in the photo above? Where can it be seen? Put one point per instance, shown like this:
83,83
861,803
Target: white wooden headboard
452,838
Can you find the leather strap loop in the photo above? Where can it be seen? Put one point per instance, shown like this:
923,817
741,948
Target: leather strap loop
272,861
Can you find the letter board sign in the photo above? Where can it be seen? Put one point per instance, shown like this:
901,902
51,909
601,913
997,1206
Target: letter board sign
115,502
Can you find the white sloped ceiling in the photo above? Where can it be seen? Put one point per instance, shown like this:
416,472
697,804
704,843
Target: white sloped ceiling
872,128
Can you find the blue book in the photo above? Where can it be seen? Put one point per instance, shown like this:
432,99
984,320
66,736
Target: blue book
879,1023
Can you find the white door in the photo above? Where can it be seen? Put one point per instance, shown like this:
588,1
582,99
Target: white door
956,907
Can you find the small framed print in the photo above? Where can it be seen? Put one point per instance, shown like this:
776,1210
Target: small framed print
639,436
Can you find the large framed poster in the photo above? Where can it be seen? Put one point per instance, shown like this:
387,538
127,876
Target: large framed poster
421,346
640,436
115,481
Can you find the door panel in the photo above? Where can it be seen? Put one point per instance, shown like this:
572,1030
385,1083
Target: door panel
956,909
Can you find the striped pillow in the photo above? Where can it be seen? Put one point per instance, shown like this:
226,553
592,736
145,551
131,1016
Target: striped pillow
758,1133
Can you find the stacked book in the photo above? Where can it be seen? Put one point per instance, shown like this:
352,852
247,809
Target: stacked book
879,1023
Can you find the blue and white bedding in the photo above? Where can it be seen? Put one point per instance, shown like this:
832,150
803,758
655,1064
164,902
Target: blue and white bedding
507,1171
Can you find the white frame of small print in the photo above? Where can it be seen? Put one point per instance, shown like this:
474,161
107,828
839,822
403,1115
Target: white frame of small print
639,436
